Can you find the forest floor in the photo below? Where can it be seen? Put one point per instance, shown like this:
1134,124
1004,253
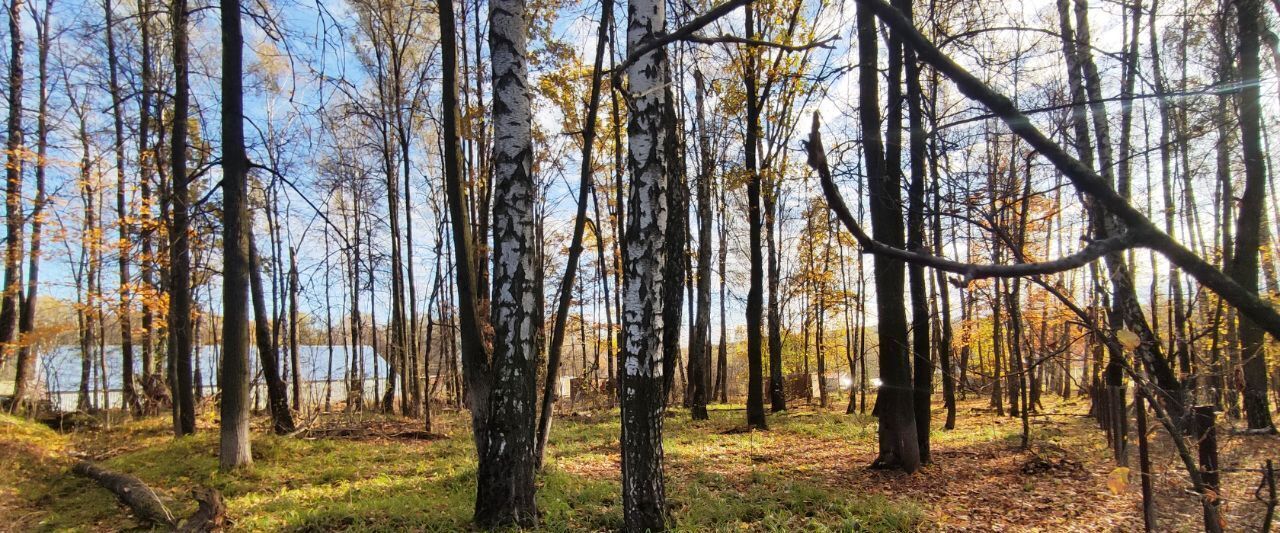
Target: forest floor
807,472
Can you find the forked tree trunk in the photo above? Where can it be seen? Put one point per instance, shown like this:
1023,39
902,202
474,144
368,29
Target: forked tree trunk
26,363
146,169
899,447
474,353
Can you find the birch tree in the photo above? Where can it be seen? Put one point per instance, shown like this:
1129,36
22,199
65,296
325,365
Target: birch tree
643,490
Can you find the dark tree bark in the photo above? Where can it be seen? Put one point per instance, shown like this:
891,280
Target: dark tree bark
773,316
721,388
125,306
700,340
944,292
1244,266
180,298
268,353
475,357
676,241
25,369
585,186
13,187
295,361
233,377
755,294
899,445
922,362
146,170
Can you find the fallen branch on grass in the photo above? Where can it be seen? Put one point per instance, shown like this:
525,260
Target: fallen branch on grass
146,505
131,491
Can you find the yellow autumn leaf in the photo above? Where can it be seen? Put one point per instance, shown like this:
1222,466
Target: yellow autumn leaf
1118,480
1128,339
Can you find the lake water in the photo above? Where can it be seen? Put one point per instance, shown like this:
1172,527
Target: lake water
59,372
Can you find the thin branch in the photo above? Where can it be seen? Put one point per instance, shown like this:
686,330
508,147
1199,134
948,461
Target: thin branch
734,39
320,213
681,33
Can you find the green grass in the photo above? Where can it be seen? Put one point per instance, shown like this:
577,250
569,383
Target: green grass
718,479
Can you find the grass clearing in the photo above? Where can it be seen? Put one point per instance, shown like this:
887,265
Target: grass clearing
807,472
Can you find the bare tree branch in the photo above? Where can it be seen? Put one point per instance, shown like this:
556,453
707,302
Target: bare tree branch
734,39
681,33
1091,252
1083,177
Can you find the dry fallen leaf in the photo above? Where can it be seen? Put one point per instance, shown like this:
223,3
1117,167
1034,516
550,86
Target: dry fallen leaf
1118,480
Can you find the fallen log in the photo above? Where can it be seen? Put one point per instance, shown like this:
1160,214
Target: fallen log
211,514
131,491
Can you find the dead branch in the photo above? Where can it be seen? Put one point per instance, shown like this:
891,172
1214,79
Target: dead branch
210,516
147,506
734,39
1093,251
131,492
1084,178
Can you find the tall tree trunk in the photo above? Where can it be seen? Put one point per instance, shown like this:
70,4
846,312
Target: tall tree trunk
773,316
610,334
944,292
355,368
233,377
643,491
922,362
125,305
474,352
505,484
700,340
722,351
268,351
1126,310
328,324
295,362
1244,266
755,294
1180,346
899,446
146,169
84,286
13,188
676,243
180,305
26,364
585,187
